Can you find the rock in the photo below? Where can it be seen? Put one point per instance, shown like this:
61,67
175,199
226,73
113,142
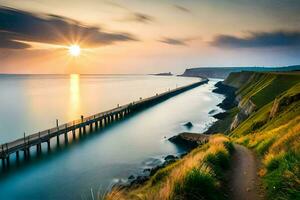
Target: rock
188,124
170,157
167,162
147,170
229,92
189,140
139,180
221,115
245,109
131,177
151,162
155,169
212,111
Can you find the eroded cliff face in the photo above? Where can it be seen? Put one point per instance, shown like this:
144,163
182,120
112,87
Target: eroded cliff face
254,90
245,109
275,108
280,103
245,83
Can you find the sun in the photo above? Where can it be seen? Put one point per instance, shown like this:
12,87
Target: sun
74,50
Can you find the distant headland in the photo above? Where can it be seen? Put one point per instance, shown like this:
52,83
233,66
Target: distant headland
223,72
163,74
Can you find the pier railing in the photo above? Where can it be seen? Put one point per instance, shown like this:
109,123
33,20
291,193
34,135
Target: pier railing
96,121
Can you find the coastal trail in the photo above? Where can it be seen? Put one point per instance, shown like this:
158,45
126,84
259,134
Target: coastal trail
244,183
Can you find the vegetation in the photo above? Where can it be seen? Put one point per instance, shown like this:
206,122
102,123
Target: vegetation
273,131
199,175
261,88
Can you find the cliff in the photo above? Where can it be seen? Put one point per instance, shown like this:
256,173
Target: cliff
251,91
256,89
223,72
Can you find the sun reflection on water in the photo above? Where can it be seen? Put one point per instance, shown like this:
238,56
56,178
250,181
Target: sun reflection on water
74,96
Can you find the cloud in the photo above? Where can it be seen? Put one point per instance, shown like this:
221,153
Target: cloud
181,8
137,17
173,41
7,40
259,40
140,17
114,4
18,27
132,15
178,41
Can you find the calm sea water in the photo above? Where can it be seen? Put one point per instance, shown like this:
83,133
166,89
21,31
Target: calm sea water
91,164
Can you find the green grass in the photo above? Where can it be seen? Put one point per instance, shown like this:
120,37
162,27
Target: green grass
247,126
280,84
204,184
200,174
283,176
264,145
276,139
254,85
219,162
260,120
261,88
198,185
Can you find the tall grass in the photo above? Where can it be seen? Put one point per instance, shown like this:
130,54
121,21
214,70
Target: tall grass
279,149
196,176
276,137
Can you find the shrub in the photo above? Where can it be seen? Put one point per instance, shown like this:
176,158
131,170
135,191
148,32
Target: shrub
217,160
274,162
264,146
283,177
197,185
229,147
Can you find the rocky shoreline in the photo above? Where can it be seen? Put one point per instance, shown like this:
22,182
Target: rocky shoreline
223,118
148,171
187,140
229,92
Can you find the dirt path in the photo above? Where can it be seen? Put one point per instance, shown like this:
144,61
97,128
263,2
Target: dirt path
244,182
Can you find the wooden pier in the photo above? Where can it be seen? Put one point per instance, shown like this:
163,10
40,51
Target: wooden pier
95,122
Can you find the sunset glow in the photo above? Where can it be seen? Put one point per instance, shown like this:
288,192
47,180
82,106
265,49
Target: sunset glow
74,50
137,36
74,96
98,95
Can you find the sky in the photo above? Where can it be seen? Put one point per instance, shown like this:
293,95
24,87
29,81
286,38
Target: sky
142,36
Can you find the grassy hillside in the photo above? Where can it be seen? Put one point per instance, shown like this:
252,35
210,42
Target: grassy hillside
273,131
199,174
261,88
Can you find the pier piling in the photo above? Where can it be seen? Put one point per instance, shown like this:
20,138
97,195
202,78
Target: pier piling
101,120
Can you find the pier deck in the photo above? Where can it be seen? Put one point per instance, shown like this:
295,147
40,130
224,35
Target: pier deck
96,121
